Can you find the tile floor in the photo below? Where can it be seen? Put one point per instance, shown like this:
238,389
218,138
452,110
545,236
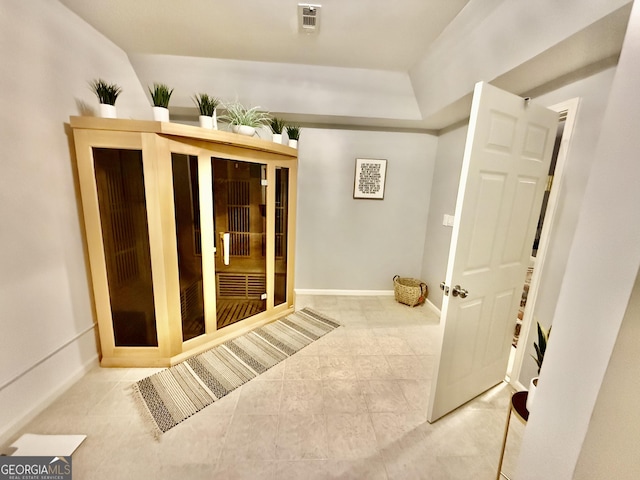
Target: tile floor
350,406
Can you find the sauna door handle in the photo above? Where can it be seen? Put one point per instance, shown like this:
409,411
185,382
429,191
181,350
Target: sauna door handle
226,239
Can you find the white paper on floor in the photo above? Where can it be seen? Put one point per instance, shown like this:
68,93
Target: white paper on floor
31,444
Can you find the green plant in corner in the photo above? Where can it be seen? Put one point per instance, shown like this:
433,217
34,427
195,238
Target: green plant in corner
160,95
237,114
541,346
206,104
293,131
107,93
277,125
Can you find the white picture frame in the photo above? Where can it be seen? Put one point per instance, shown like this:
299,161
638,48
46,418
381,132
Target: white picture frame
369,179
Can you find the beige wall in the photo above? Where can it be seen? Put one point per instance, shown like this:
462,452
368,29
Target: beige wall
446,178
354,244
46,322
610,448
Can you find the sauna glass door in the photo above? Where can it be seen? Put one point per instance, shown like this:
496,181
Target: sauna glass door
186,200
239,205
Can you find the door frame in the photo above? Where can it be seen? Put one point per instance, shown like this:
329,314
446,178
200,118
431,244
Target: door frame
568,110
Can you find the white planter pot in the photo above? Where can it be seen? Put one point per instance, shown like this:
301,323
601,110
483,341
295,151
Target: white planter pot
277,137
107,111
533,386
161,114
244,130
293,143
206,121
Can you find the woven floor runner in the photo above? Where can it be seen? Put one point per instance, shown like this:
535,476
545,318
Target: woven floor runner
173,395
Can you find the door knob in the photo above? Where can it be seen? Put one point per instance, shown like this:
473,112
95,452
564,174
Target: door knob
444,288
458,290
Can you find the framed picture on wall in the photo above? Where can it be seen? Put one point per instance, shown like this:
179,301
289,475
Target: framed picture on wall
370,178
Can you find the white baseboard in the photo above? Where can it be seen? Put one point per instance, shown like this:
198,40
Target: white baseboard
37,388
43,403
358,293
433,307
517,385
351,293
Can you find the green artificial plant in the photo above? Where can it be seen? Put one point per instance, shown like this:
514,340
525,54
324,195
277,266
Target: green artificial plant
237,114
277,125
107,93
160,95
293,131
541,346
206,104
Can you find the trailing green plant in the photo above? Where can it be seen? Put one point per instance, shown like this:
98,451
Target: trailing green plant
293,131
107,93
277,125
541,346
160,95
237,114
206,104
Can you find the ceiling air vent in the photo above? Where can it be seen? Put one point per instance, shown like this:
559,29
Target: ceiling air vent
308,17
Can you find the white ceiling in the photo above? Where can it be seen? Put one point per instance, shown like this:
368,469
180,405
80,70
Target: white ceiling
379,35
374,34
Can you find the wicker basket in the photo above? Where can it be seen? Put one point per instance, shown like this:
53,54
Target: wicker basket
409,291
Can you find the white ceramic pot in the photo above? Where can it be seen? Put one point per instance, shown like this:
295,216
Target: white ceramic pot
293,143
206,121
244,130
533,386
107,111
161,114
277,138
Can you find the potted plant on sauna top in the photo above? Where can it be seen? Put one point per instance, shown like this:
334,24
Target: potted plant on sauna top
107,93
207,108
277,126
244,120
541,348
160,95
293,131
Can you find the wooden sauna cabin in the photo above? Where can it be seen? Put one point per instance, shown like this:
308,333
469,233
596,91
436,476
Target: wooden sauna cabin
190,234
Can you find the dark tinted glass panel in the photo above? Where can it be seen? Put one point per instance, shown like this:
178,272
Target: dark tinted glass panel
187,215
123,216
282,222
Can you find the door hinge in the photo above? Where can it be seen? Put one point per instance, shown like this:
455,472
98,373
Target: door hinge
263,296
549,183
263,182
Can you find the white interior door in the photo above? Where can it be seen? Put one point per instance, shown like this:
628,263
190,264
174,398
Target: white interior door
504,172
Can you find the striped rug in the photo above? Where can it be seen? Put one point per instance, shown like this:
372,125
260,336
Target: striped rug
173,395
